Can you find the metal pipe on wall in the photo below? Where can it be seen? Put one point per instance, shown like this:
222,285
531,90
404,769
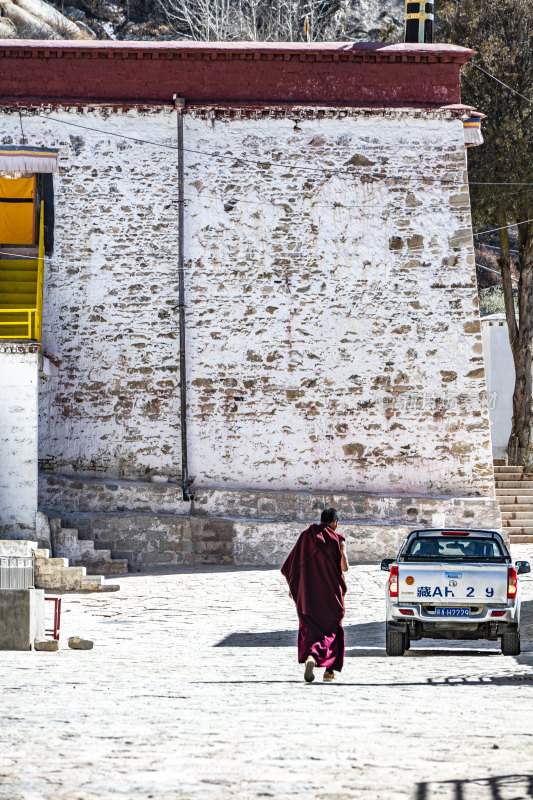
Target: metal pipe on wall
179,104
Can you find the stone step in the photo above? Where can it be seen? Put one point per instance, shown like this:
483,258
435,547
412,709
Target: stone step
107,565
520,539
514,514
98,545
514,523
507,468
518,494
516,508
498,462
93,583
525,484
83,553
86,574
48,576
76,570
99,560
510,476
54,563
88,565
519,530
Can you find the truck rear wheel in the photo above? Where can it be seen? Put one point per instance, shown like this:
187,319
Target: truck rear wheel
511,643
395,642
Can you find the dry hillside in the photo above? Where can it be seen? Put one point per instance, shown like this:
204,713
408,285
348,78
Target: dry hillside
148,20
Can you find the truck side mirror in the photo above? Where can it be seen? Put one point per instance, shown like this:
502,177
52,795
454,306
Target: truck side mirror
522,567
385,564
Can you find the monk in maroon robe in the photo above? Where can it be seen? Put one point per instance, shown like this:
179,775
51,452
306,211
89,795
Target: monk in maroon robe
313,570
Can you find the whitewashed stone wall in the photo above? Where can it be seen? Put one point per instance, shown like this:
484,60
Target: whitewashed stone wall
18,440
335,339
333,333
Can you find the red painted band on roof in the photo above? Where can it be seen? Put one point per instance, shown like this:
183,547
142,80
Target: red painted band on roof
357,74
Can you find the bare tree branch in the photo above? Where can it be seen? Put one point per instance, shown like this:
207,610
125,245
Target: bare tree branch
252,20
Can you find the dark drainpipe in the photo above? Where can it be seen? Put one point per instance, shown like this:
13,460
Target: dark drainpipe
179,104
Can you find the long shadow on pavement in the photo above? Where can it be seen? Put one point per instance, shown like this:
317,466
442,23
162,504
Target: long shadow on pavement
367,633
455,680
491,788
367,640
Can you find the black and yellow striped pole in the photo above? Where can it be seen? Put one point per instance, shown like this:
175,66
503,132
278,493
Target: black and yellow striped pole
419,19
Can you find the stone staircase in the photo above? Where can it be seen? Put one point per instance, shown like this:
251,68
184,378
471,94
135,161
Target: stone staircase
52,574
86,553
56,575
514,491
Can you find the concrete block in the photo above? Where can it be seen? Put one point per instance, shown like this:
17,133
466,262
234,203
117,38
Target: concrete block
92,583
14,547
58,563
71,577
21,618
55,574
46,645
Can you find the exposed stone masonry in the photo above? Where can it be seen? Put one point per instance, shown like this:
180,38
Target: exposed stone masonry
333,337
78,495
150,525
345,303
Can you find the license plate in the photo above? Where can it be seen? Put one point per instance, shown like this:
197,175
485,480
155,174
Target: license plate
452,612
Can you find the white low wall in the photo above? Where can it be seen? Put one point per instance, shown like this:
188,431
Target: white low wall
19,371
499,368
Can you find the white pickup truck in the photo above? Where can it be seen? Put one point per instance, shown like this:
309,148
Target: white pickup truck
453,584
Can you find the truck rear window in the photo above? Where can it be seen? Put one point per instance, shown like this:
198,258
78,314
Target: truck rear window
445,548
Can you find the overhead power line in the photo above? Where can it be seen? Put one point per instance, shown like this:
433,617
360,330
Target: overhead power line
503,227
495,271
495,247
377,175
268,162
494,78
498,183
231,157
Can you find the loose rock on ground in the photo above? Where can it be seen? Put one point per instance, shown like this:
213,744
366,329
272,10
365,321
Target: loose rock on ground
77,643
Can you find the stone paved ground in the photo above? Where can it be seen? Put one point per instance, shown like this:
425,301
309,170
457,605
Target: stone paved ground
193,691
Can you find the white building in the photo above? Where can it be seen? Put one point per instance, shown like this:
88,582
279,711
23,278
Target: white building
332,336
499,368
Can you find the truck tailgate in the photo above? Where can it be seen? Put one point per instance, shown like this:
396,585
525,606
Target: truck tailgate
453,584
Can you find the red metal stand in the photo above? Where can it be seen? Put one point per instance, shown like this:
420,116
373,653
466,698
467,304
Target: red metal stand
54,632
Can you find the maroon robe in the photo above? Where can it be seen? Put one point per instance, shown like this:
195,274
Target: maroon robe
313,572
